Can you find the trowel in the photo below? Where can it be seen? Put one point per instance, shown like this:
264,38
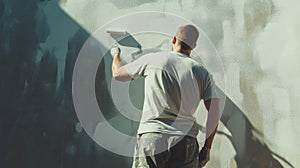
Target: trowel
126,39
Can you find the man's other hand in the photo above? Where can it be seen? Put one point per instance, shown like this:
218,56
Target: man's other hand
204,156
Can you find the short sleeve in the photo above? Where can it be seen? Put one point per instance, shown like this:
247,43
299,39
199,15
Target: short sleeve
137,68
209,91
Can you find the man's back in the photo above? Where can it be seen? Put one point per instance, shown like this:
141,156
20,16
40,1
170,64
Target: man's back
174,86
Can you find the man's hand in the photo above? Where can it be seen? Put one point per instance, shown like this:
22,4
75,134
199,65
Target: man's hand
115,50
204,156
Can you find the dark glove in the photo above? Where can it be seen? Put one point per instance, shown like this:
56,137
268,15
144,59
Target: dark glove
204,156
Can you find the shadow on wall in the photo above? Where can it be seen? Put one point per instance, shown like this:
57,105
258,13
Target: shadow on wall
38,49
37,113
247,141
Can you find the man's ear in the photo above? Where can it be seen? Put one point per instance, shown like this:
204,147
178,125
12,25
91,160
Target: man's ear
174,40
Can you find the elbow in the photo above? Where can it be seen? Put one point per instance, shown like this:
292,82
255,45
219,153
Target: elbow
122,76
116,76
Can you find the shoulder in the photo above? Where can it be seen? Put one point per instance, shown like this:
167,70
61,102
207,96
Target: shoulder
200,71
160,56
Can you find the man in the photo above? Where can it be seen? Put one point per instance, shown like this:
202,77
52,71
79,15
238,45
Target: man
174,86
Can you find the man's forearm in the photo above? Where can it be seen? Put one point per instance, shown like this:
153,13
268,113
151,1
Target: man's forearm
212,121
118,71
116,64
210,138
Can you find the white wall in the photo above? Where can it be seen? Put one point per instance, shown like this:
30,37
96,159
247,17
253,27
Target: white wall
259,42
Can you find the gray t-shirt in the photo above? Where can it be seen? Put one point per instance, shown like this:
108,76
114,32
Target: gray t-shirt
174,86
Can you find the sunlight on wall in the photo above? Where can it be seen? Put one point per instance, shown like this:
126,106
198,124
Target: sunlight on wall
260,45
278,49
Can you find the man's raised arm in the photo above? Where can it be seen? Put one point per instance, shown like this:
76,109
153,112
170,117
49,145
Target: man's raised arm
118,71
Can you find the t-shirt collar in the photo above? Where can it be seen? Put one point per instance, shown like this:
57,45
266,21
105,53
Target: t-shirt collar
180,54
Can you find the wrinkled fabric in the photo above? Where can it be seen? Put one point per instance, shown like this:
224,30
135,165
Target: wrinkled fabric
156,150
